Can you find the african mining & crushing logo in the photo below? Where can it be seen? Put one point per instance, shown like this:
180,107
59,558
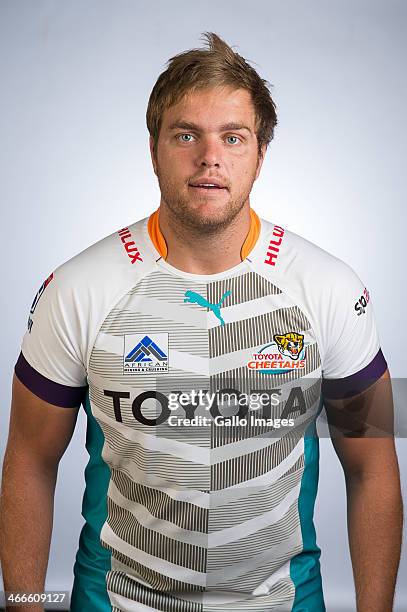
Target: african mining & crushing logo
145,353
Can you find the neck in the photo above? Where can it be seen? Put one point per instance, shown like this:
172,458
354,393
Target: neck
197,253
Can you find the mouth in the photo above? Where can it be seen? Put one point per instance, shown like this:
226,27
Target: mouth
207,188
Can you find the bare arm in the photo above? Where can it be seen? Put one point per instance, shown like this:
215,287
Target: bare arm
39,433
374,502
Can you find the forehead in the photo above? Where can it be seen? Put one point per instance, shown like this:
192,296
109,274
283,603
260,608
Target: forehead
212,107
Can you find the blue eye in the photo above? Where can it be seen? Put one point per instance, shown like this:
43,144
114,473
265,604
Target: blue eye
235,137
182,135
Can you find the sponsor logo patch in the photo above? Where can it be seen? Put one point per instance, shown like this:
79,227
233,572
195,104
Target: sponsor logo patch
273,248
192,297
362,302
145,353
37,298
129,245
285,354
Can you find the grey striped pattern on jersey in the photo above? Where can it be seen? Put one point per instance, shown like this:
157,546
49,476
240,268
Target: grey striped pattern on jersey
254,331
194,511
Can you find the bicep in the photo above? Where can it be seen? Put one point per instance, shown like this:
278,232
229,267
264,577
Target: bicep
362,430
38,431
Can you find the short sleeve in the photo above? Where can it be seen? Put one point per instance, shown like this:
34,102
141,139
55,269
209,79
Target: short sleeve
353,359
51,360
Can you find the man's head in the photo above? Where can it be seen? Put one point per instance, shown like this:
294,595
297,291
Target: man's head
210,118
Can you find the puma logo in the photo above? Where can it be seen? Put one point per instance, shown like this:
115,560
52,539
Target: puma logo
194,298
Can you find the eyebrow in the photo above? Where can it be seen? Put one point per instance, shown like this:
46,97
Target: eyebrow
187,125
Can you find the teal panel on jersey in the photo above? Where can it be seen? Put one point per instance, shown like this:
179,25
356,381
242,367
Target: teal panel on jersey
305,567
93,561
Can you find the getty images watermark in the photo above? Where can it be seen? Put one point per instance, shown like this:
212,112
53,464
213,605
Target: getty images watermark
262,407
208,400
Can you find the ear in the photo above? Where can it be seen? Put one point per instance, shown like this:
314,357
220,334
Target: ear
260,160
154,162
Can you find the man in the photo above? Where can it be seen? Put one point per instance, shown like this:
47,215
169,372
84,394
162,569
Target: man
191,503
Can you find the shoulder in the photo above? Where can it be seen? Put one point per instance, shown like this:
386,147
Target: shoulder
72,302
79,292
299,264
86,286
123,256
331,295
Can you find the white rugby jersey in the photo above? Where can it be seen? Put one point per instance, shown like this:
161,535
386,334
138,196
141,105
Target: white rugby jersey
205,504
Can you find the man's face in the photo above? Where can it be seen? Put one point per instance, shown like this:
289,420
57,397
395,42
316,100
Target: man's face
207,137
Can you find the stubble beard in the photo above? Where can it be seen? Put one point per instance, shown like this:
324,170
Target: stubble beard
193,219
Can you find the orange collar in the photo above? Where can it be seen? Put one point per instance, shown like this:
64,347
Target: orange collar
159,241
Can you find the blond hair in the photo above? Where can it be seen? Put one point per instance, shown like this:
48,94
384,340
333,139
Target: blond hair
216,66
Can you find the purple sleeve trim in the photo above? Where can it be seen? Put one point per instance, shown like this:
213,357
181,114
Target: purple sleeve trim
356,383
46,389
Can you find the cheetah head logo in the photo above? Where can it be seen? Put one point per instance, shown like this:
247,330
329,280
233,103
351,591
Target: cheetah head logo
290,344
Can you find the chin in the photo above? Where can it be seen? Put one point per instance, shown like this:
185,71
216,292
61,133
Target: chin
210,217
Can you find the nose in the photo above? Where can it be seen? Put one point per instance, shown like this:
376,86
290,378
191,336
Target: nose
209,153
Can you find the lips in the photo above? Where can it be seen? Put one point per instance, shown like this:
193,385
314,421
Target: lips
207,183
207,187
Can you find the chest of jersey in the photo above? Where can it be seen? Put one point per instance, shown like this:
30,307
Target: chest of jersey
182,371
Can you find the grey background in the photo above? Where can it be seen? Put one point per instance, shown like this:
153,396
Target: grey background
75,78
